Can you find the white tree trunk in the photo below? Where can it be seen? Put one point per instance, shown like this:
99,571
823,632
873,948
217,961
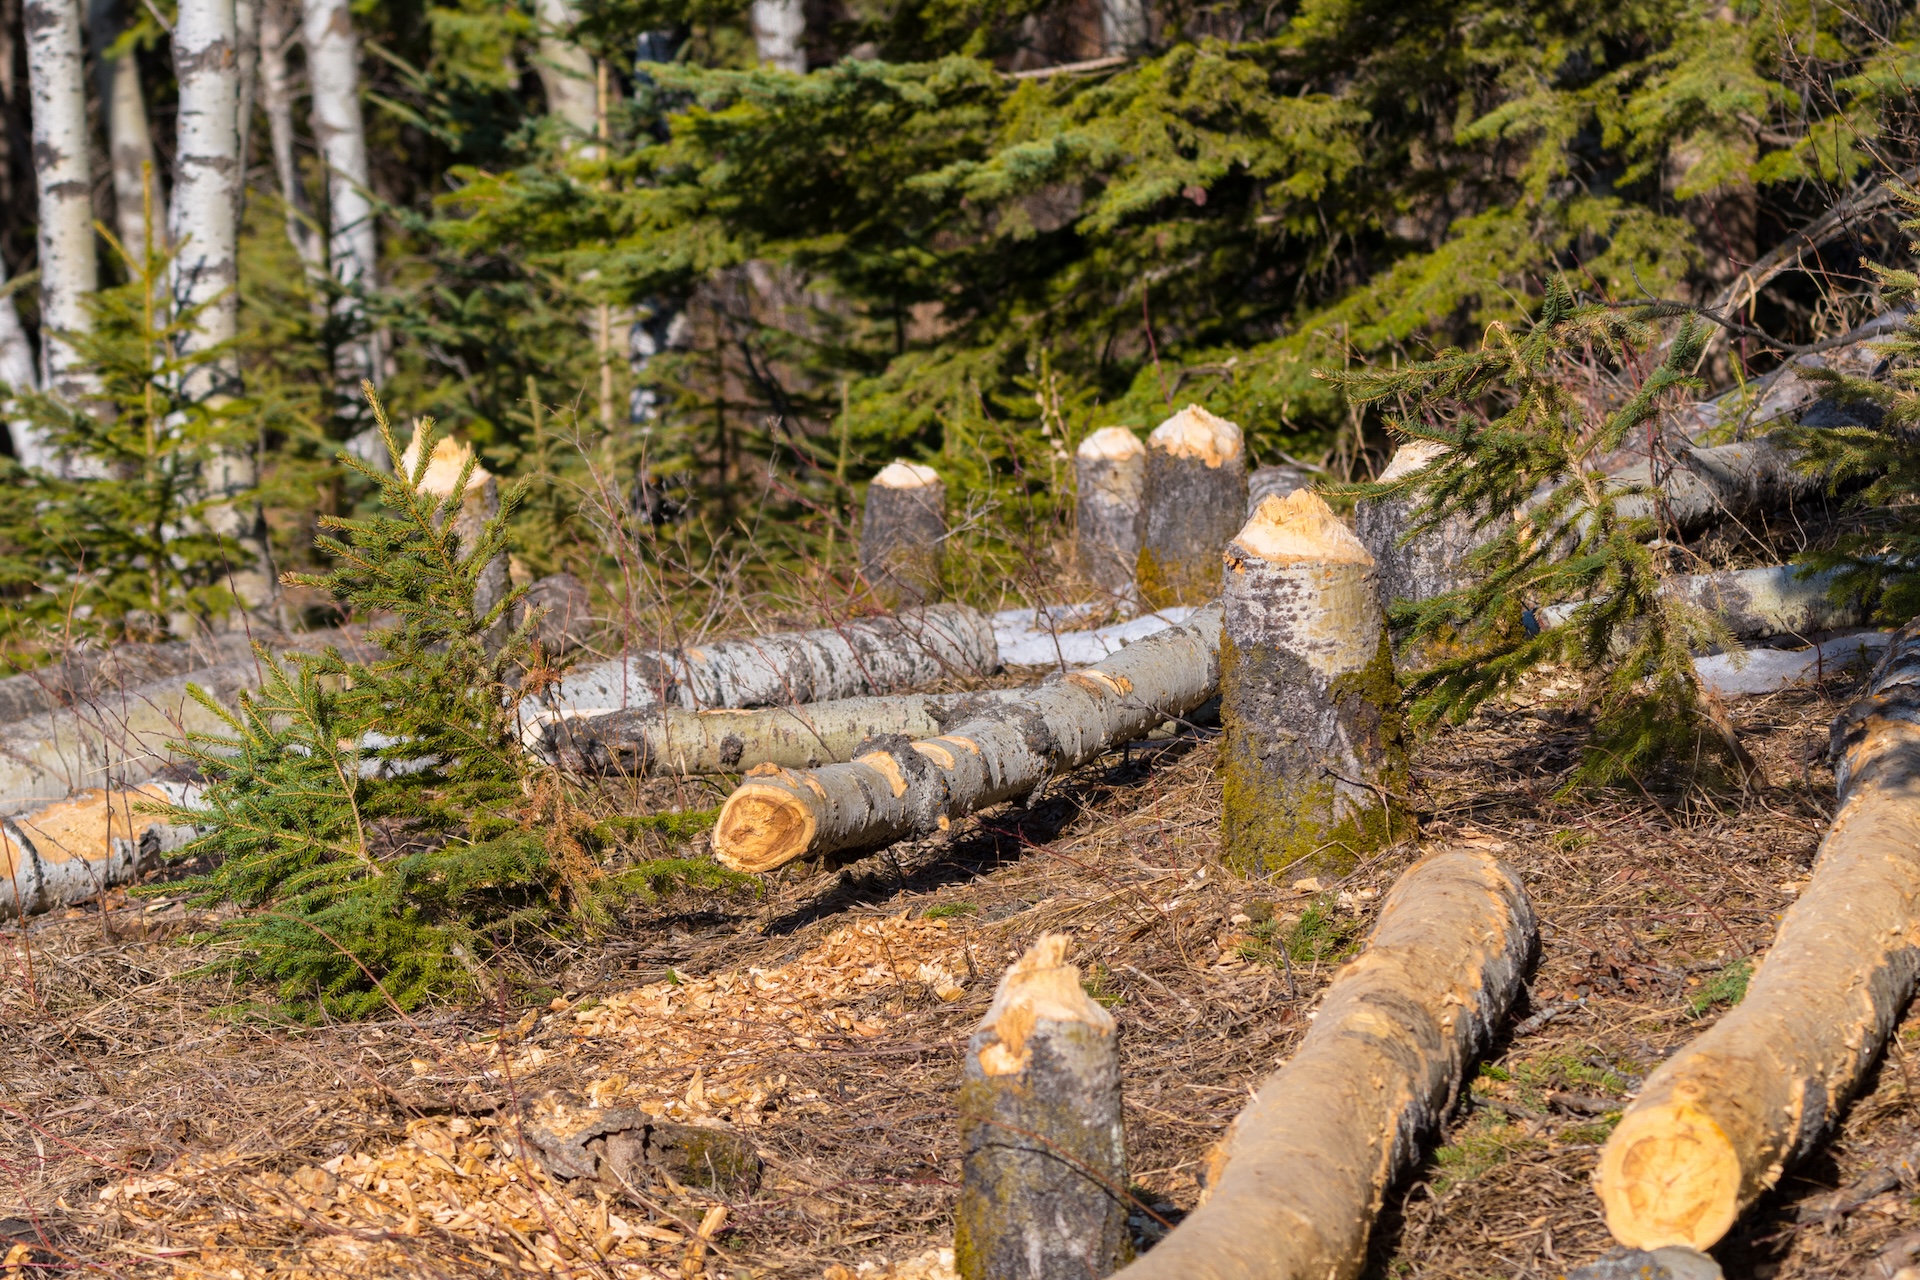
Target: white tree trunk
129,139
278,31
17,371
246,26
69,271
206,170
566,70
1125,26
780,34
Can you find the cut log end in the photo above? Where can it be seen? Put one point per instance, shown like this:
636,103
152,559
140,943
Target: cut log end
762,826
1195,433
901,474
444,465
1300,529
1041,984
1669,1176
1411,457
1111,444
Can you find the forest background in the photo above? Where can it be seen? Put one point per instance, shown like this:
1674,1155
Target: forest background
695,270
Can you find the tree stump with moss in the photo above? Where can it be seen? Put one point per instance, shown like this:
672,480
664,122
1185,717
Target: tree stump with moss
903,537
1196,497
1044,1175
1110,468
1312,752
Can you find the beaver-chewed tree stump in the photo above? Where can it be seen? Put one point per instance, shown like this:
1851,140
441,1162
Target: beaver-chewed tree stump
1110,469
1196,498
1312,756
1274,482
1715,1127
1429,564
903,538
1044,1175
479,502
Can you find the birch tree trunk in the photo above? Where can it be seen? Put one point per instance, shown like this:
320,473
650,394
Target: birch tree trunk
17,371
206,167
70,852
278,31
567,72
780,34
129,138
69,271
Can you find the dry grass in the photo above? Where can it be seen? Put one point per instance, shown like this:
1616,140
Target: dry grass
234,1147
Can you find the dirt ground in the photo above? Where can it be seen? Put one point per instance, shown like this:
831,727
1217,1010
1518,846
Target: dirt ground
144,1131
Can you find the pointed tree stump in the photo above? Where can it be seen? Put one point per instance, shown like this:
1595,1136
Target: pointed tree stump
1433,563
1196,499
1308,696
1044,1176
1111,470
903,538
478,504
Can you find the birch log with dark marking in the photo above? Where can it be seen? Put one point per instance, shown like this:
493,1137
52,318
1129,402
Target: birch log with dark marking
1274,482
1754,603
997,751
67,853
1196,499
866,656
1312,752
903,537
1432,564
1044,1171
1110,470
478,504
1309,1161
1714,1128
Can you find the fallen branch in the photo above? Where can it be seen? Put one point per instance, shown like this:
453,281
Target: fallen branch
1000,750
1309,1160
1717,1124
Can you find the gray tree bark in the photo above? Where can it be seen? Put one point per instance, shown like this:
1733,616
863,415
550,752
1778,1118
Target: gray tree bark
18,373
567,73
69,270
1307,694
780,34
1196,501
1434,563
999,751
129,139
1110,469
1044,1174
1753,603
279,28
903,537
1308,1162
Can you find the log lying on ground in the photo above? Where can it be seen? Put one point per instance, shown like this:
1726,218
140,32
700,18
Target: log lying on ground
66,853
865,656
903,537
1754,603
999,751
1310,1159
1307,694
1430,565
1757,672
479,503
1046,638
565,609
1727,482
1044,1174
1110,469
1196,501
1719,1122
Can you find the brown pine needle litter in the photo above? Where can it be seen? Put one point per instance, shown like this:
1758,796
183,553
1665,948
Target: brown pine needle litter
144,1132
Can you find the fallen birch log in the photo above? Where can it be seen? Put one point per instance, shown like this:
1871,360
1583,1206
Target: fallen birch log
1196,500
1727,482
999,751
1307,694
1308,1162
1044,1175
1717,1124
1040,638
865,656
1110,472
67,853
1752,603
903,536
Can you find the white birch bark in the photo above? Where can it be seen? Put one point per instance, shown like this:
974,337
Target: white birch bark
780,34
17,371
69,271
129,138
206,170
246,26
278,31
1125,26
567,71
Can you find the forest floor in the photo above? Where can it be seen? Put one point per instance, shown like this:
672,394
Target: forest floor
146,1130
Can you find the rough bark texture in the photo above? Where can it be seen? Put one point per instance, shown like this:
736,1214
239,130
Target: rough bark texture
1310,1159
1307,694
867,656
1719,1122
1672,1263
67,853
1110,470
566,613
333,71
671,740
1733,481
780,34
478,504
1275,482
998,751
566,70
1755,603
69,272
206,170
1434,563
17,372
1044,1174
1196,501
129,139
279,28
903,537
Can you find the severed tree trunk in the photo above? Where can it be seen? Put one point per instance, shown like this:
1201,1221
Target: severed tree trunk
1110,469
1044,1174
1307,693
903,538
780,34
567,73
69,852
1754,603
129,138
279,28
1434,563
1733,481
867,656
69,271
1196,501
1275,482
998,751
479,503
1717,1124
1310,1159
17,372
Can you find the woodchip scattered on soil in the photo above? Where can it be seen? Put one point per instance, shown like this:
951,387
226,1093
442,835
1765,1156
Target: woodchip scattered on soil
143,1134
